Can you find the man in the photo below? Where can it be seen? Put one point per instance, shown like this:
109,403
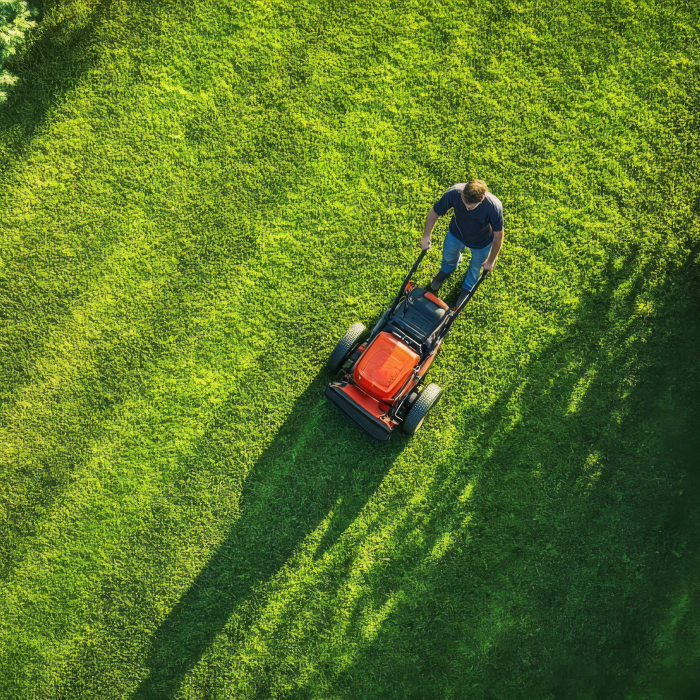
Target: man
477,223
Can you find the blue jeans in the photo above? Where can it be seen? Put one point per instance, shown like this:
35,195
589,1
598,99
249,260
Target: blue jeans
452,255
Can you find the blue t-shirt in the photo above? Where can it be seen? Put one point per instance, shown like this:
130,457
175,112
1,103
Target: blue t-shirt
474,228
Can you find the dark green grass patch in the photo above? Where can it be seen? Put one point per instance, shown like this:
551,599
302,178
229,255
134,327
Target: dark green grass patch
196,202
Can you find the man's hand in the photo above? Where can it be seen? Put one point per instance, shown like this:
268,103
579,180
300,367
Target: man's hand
495,248
425,243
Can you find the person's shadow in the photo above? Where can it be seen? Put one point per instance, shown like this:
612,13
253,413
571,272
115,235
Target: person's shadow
316,463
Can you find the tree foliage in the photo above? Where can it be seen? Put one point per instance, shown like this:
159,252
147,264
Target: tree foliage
16,17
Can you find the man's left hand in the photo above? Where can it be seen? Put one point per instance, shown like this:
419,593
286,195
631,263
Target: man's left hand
488,266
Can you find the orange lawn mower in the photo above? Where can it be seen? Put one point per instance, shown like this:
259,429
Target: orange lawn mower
380,375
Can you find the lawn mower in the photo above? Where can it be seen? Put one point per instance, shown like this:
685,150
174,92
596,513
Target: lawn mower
379,376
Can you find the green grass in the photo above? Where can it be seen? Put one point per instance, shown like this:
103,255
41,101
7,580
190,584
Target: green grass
196,200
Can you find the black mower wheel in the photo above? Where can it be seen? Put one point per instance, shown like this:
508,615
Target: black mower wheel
345,346
425,401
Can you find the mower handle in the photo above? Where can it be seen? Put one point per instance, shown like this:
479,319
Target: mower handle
452,314
484,274
412,270
402,291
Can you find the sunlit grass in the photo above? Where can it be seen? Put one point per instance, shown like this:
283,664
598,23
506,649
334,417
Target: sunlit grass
197,201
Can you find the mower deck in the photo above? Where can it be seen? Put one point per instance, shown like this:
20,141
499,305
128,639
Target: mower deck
366,412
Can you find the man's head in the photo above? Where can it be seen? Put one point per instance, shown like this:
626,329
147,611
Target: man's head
474,193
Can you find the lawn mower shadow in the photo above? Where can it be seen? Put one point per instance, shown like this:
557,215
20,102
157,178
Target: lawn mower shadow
316,463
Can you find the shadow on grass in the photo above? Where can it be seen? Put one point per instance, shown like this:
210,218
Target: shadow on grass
539,517
580,543
41,317
57,55
52,63
316,463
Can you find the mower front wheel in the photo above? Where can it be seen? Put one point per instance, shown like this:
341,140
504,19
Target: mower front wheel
345,346
425,401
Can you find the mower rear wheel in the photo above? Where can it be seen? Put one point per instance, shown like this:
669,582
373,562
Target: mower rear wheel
425,401
345,346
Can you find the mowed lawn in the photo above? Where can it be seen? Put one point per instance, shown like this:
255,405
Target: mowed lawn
196,200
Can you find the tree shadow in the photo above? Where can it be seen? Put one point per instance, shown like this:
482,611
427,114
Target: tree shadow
205,250
56,56
578,537
287,494
51,64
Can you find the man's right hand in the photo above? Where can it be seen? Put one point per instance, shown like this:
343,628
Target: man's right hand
425,243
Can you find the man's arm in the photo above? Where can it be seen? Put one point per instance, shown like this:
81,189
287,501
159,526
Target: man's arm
429,223
495,247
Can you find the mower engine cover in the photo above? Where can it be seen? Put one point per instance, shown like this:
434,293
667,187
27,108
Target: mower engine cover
385,366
